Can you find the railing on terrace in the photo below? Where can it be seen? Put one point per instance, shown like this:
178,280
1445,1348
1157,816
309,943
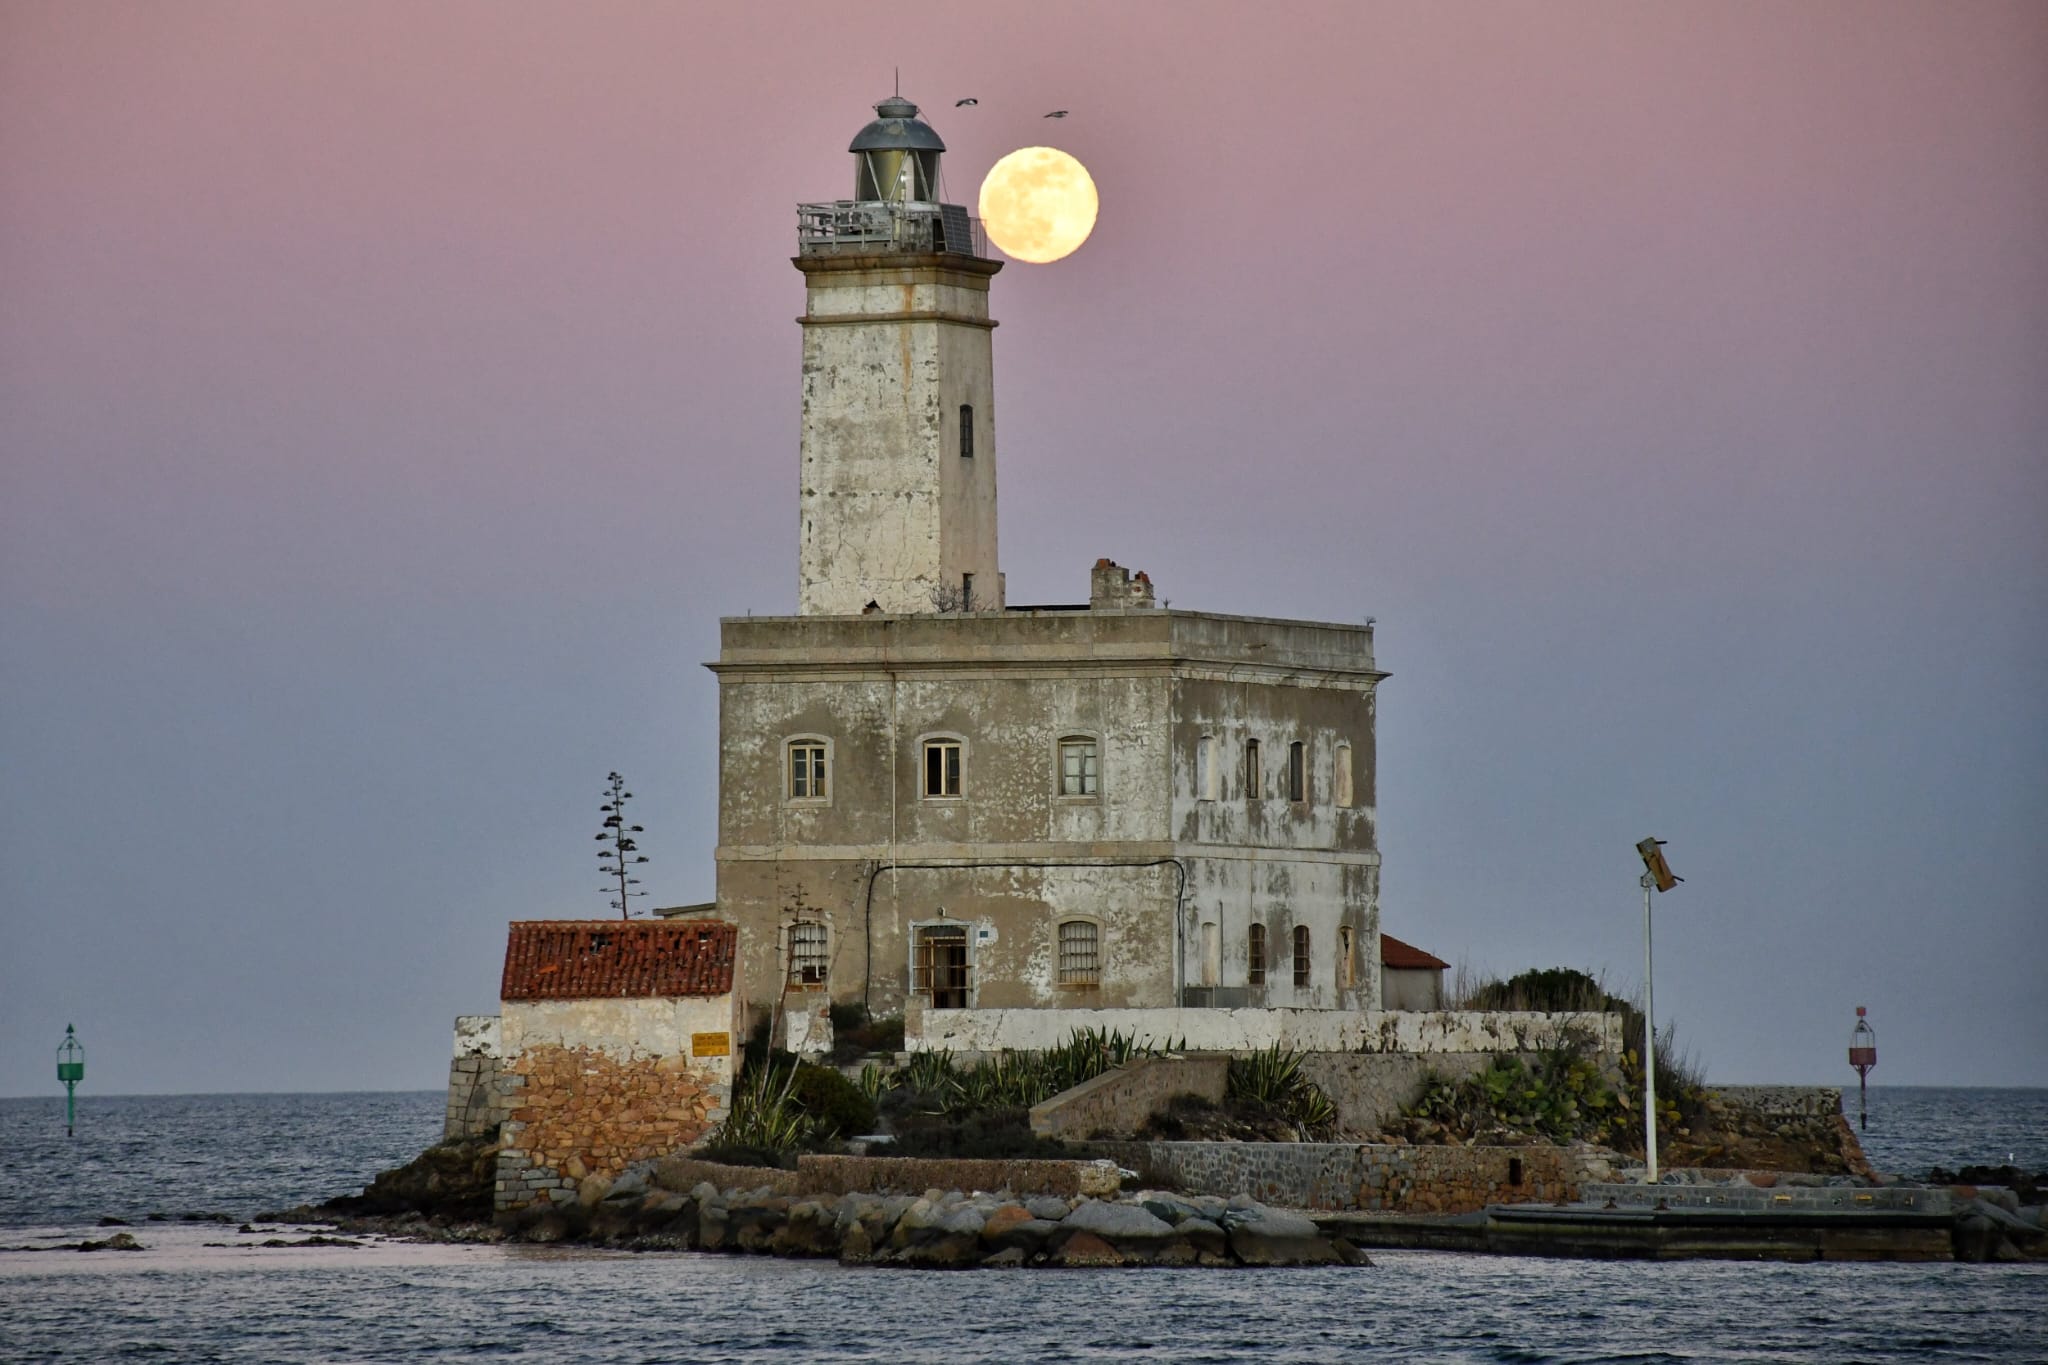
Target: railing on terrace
858,226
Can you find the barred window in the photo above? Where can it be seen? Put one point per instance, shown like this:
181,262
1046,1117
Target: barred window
1080,953
807,953
1080,771
1301,971
966,432
1297,771
1255,956
1251,770
807,771
942,767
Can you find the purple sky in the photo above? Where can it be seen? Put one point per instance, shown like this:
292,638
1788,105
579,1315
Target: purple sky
392,397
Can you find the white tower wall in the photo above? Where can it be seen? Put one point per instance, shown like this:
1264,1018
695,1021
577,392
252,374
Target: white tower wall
891,512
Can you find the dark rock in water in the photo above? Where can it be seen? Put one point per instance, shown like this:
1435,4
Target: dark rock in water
2028,1187
450,1180
120,1241
112,1222
316,1240
205,1218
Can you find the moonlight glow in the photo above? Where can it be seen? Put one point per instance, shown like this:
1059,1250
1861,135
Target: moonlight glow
1038,204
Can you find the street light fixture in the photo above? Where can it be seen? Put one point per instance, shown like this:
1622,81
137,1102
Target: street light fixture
1657,877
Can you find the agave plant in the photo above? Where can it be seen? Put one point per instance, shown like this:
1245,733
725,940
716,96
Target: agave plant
764,1112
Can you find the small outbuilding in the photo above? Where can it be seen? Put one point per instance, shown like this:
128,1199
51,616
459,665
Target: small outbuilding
1410,979
616,1041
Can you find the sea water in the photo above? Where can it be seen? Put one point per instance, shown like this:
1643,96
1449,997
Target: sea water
203,1291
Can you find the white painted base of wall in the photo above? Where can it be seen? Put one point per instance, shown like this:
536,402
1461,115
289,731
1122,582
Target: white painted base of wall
1245,1030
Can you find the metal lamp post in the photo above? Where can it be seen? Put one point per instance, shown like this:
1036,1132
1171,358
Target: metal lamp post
1656,877
70,1070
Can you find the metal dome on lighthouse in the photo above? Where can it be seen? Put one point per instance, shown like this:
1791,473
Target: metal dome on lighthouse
895,207
896,157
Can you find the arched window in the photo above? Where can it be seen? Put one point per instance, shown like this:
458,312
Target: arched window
1205,768
1347,968
807,958
1344,794
1252,785
1255,956
1212,953
1080,953
1301,968
1297,771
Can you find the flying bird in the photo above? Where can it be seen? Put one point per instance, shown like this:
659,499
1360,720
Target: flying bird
1057,113
962,104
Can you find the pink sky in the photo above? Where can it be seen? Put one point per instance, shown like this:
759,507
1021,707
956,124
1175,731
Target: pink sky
392,396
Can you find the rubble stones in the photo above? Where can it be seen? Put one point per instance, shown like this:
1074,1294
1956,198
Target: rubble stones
941,1229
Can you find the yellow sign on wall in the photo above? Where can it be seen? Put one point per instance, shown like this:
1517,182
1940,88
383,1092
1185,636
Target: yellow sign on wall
711,1045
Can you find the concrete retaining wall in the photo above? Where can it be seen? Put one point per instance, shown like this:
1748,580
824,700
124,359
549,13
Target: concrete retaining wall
1370,1177
1120,1101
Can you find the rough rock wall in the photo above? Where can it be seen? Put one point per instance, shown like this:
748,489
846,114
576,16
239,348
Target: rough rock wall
579,1112
477,1099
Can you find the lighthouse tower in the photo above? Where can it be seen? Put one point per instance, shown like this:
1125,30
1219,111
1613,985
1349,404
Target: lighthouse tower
898,481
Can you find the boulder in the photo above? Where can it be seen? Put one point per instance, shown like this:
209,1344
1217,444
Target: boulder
1168,1208
1049,1207
1001,1220
964,1220
1120,1223
1009,1258
1263,1236
811,1230
1086,1249
855,1246
714,1223
1204,1236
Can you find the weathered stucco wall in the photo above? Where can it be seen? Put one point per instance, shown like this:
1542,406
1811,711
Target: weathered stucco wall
1411,988
597,1084
1223,1030
1387,1179
888,510
1012,855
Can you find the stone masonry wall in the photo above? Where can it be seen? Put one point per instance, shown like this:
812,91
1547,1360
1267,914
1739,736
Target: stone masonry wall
1120,1101
580,1112
477,1099
1387,1178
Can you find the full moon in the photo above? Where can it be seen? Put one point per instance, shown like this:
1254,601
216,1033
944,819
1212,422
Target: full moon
1038,204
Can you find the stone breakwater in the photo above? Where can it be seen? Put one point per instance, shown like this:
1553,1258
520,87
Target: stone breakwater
942,1229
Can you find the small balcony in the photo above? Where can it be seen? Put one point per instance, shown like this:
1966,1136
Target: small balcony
853,227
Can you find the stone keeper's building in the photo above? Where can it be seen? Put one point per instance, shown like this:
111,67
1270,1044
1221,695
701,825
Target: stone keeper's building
931,800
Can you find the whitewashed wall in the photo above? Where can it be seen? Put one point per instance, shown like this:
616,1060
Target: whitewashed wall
1237,1030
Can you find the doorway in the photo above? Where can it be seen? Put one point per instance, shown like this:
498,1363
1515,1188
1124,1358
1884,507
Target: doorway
940,966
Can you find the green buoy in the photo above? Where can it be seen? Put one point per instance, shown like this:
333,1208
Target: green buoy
70,1070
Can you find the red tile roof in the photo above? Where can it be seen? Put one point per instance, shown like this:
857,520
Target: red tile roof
579,959
1403,956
